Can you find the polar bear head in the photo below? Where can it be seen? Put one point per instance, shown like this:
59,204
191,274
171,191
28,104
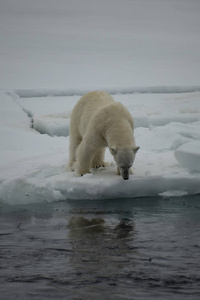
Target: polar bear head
124,159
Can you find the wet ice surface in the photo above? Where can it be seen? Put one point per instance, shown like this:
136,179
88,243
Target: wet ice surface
115,249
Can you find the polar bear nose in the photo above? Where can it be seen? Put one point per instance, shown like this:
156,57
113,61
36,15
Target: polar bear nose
125,174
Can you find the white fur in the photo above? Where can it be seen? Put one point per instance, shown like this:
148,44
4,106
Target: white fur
97,121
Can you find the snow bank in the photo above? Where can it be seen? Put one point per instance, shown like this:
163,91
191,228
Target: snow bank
33,165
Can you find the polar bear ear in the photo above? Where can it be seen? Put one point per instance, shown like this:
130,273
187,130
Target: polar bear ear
135,149
113,150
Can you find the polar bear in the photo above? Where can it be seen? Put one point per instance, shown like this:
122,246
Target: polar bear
97,122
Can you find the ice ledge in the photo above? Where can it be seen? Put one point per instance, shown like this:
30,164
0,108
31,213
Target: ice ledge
188,155
91,187
29,93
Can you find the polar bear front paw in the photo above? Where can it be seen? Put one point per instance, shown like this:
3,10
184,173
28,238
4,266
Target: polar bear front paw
80,173
70,168
97,165
118,171
131,171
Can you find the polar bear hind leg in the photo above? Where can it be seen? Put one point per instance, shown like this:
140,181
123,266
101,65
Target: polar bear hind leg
75,141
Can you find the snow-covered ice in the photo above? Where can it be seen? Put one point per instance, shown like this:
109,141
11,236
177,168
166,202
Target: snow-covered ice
145,53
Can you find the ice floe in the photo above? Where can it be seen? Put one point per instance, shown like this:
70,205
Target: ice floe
33,165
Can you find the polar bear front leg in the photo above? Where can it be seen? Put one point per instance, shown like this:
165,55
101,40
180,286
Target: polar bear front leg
98,158
84,158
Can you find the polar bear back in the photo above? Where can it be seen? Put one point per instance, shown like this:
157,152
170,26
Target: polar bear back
87,107
102,119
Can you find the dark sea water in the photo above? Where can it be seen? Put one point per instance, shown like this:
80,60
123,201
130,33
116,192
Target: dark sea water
141,248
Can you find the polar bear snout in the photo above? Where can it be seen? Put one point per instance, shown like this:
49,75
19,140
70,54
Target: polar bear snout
124,159
125,173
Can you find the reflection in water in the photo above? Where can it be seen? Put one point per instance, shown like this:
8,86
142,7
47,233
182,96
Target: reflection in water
100,250
80,225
